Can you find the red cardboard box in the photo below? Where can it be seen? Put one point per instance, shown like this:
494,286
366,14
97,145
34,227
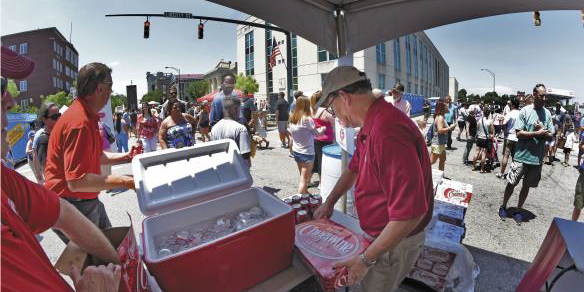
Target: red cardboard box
323,243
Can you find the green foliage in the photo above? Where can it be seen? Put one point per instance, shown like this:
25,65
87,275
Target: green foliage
12,89
154,95
246,83
118,100
60,98
462,94
16,109
198,89
32,110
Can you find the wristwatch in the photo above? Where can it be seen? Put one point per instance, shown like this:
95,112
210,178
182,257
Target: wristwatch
365,261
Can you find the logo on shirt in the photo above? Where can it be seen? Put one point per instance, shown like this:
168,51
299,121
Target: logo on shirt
326,241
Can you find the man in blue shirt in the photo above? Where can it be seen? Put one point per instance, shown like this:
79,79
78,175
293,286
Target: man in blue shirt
533,127
450,117
226,90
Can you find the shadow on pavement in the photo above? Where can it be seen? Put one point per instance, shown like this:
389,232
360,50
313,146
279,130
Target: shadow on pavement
498,272
527,215
271,190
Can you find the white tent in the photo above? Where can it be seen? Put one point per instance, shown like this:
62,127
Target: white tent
354,25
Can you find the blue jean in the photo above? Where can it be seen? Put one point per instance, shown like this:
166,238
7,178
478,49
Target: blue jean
122,142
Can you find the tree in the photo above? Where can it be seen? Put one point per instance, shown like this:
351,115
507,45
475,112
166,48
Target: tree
154,95
60,98
118,100
12,89
248,83
462,94
198,89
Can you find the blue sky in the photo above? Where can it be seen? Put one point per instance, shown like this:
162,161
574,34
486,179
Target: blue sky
520,54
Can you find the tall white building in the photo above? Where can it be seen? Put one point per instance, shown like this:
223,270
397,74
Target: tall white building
411,60
453,88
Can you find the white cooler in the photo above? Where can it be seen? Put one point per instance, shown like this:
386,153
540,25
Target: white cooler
181,187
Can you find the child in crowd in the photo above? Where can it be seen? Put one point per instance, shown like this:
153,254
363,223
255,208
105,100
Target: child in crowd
422,126
579,193
570,140
260,129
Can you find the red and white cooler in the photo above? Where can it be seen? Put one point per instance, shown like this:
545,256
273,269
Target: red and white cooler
181,187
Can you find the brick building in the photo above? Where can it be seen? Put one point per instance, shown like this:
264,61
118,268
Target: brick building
56,60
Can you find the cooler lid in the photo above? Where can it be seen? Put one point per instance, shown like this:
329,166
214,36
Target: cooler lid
172,179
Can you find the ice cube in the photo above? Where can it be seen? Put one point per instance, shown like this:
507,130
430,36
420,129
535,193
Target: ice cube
164,252
256,212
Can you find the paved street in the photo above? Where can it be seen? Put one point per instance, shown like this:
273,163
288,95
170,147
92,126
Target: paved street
502,249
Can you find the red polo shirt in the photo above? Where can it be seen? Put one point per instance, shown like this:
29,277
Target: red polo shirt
394,177
27,209
75,148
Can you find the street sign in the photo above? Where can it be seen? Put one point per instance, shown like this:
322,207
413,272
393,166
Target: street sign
178,15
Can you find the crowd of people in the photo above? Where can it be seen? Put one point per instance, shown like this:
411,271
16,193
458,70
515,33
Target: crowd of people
531,135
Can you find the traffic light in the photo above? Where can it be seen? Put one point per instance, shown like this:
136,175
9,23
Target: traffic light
146,29
201,28
536,18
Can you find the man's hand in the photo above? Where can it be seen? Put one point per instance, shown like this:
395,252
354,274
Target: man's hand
128,182
95,279
542,133
127,158
323,211
355,268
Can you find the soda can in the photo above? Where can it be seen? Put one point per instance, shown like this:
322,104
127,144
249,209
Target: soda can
317,197
296,207
305,197
301,216
288,201
314,204
296,199
305,205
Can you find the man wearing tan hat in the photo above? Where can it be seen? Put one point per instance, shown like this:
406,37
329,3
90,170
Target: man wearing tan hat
391,169
29,209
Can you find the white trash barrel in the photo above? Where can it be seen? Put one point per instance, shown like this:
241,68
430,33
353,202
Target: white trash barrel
331,172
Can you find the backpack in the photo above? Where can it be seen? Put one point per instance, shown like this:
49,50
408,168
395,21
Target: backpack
430,135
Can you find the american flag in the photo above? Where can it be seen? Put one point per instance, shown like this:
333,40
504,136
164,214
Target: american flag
275,53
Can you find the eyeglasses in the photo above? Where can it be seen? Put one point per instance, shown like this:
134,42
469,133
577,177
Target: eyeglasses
330,108
54,117
173,93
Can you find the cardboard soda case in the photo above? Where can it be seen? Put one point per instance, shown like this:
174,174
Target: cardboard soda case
432,267
322,243
454,192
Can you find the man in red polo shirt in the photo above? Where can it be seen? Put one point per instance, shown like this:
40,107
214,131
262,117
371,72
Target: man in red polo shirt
29,209
75,149
391,169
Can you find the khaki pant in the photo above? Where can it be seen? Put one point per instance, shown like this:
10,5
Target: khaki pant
392,267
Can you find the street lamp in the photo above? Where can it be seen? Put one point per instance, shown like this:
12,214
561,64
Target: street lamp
179,89
493,75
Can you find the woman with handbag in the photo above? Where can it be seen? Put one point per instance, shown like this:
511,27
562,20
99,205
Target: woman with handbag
485,137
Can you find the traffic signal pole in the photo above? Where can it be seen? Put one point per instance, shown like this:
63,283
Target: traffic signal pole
227,20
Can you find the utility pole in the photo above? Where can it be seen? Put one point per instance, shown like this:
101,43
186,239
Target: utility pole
493,75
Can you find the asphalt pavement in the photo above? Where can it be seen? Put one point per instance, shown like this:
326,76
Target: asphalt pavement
502,249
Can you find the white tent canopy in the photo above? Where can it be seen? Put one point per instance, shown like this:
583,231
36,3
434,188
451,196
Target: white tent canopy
364,23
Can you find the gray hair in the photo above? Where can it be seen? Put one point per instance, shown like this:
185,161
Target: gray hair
231,107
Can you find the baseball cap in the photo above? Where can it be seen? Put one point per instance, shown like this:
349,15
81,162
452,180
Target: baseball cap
15,66
339,78
399,87
31,134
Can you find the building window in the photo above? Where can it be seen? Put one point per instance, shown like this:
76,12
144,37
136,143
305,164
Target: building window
415,41
380,53
324,55
381,81
294,46
397,54
23,48
13,48
249,53
397,80
323,79
408,56
23,86
409,89
54,81
68,54
66,71
24,104
68,86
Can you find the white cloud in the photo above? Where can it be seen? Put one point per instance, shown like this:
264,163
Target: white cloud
113,64
500,89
